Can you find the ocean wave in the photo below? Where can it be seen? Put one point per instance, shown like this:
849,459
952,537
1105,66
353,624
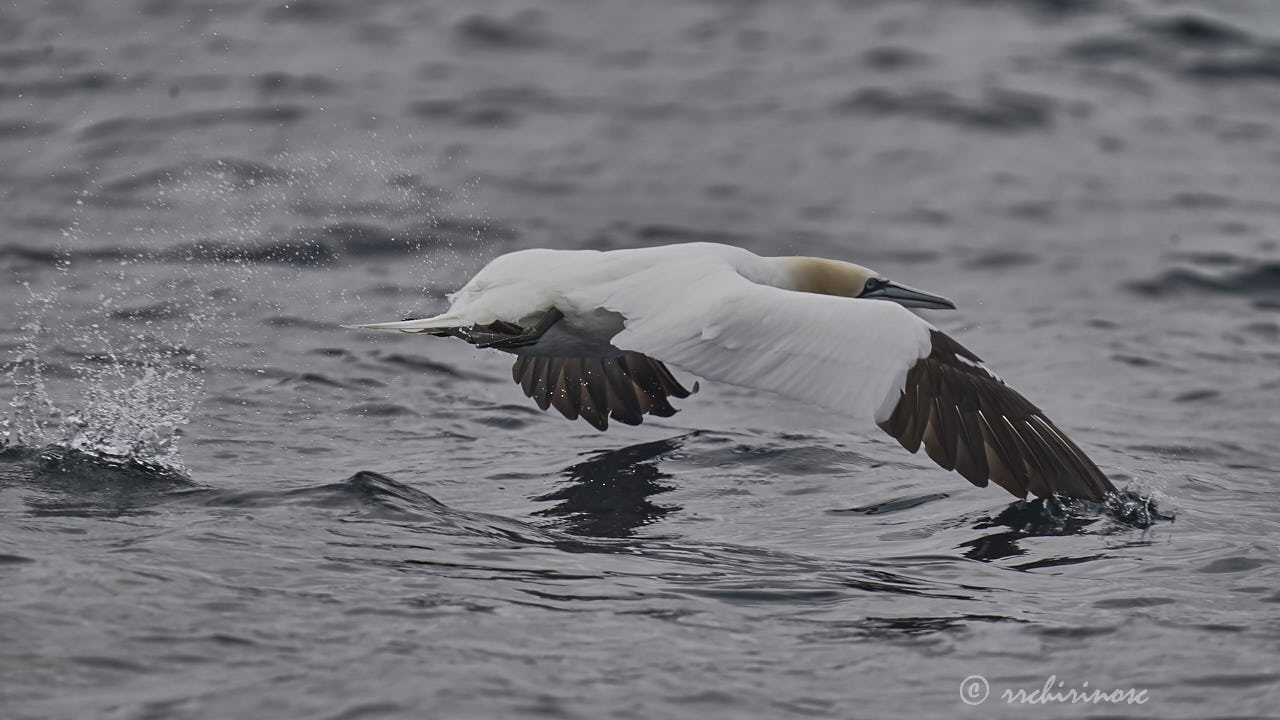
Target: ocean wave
999,110
1258,279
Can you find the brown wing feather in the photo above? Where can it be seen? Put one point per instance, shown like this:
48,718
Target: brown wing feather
970,421
626,387
542,388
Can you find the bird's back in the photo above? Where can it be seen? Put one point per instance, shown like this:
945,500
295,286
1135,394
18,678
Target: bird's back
519,286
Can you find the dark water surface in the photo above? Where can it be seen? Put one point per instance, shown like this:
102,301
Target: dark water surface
215,503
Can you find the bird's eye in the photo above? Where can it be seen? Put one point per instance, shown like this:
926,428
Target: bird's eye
872,284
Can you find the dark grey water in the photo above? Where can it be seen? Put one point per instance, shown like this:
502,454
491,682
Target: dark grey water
216,503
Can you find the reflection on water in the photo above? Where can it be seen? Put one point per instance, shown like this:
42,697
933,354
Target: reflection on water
1049,517
608,495
1035,518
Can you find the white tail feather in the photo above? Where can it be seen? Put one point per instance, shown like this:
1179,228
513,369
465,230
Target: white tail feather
411,326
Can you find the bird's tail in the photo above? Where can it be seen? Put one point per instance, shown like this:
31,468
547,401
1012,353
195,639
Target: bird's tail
421,325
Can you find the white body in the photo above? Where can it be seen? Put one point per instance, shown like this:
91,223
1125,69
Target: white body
717,311
599,327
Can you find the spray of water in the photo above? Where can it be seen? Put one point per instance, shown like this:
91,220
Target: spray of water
32,411
113,393
176,283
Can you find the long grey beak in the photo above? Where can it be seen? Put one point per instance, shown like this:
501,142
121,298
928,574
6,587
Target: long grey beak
909,297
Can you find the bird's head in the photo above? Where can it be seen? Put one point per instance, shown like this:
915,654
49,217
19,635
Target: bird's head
846,279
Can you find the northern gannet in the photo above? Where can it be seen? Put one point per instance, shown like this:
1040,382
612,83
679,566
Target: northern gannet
593,332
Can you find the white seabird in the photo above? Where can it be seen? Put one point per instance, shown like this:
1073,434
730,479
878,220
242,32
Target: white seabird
593,332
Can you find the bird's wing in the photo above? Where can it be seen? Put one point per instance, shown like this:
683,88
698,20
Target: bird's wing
625,388
970,421
871,359
841,353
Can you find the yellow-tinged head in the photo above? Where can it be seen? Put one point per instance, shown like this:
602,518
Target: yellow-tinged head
846,279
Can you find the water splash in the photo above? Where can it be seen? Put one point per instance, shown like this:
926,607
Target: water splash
99,389
32,411
1137,508
212,248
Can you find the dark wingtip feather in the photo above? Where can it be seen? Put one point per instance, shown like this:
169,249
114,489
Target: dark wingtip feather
970,421
542,387
624,388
